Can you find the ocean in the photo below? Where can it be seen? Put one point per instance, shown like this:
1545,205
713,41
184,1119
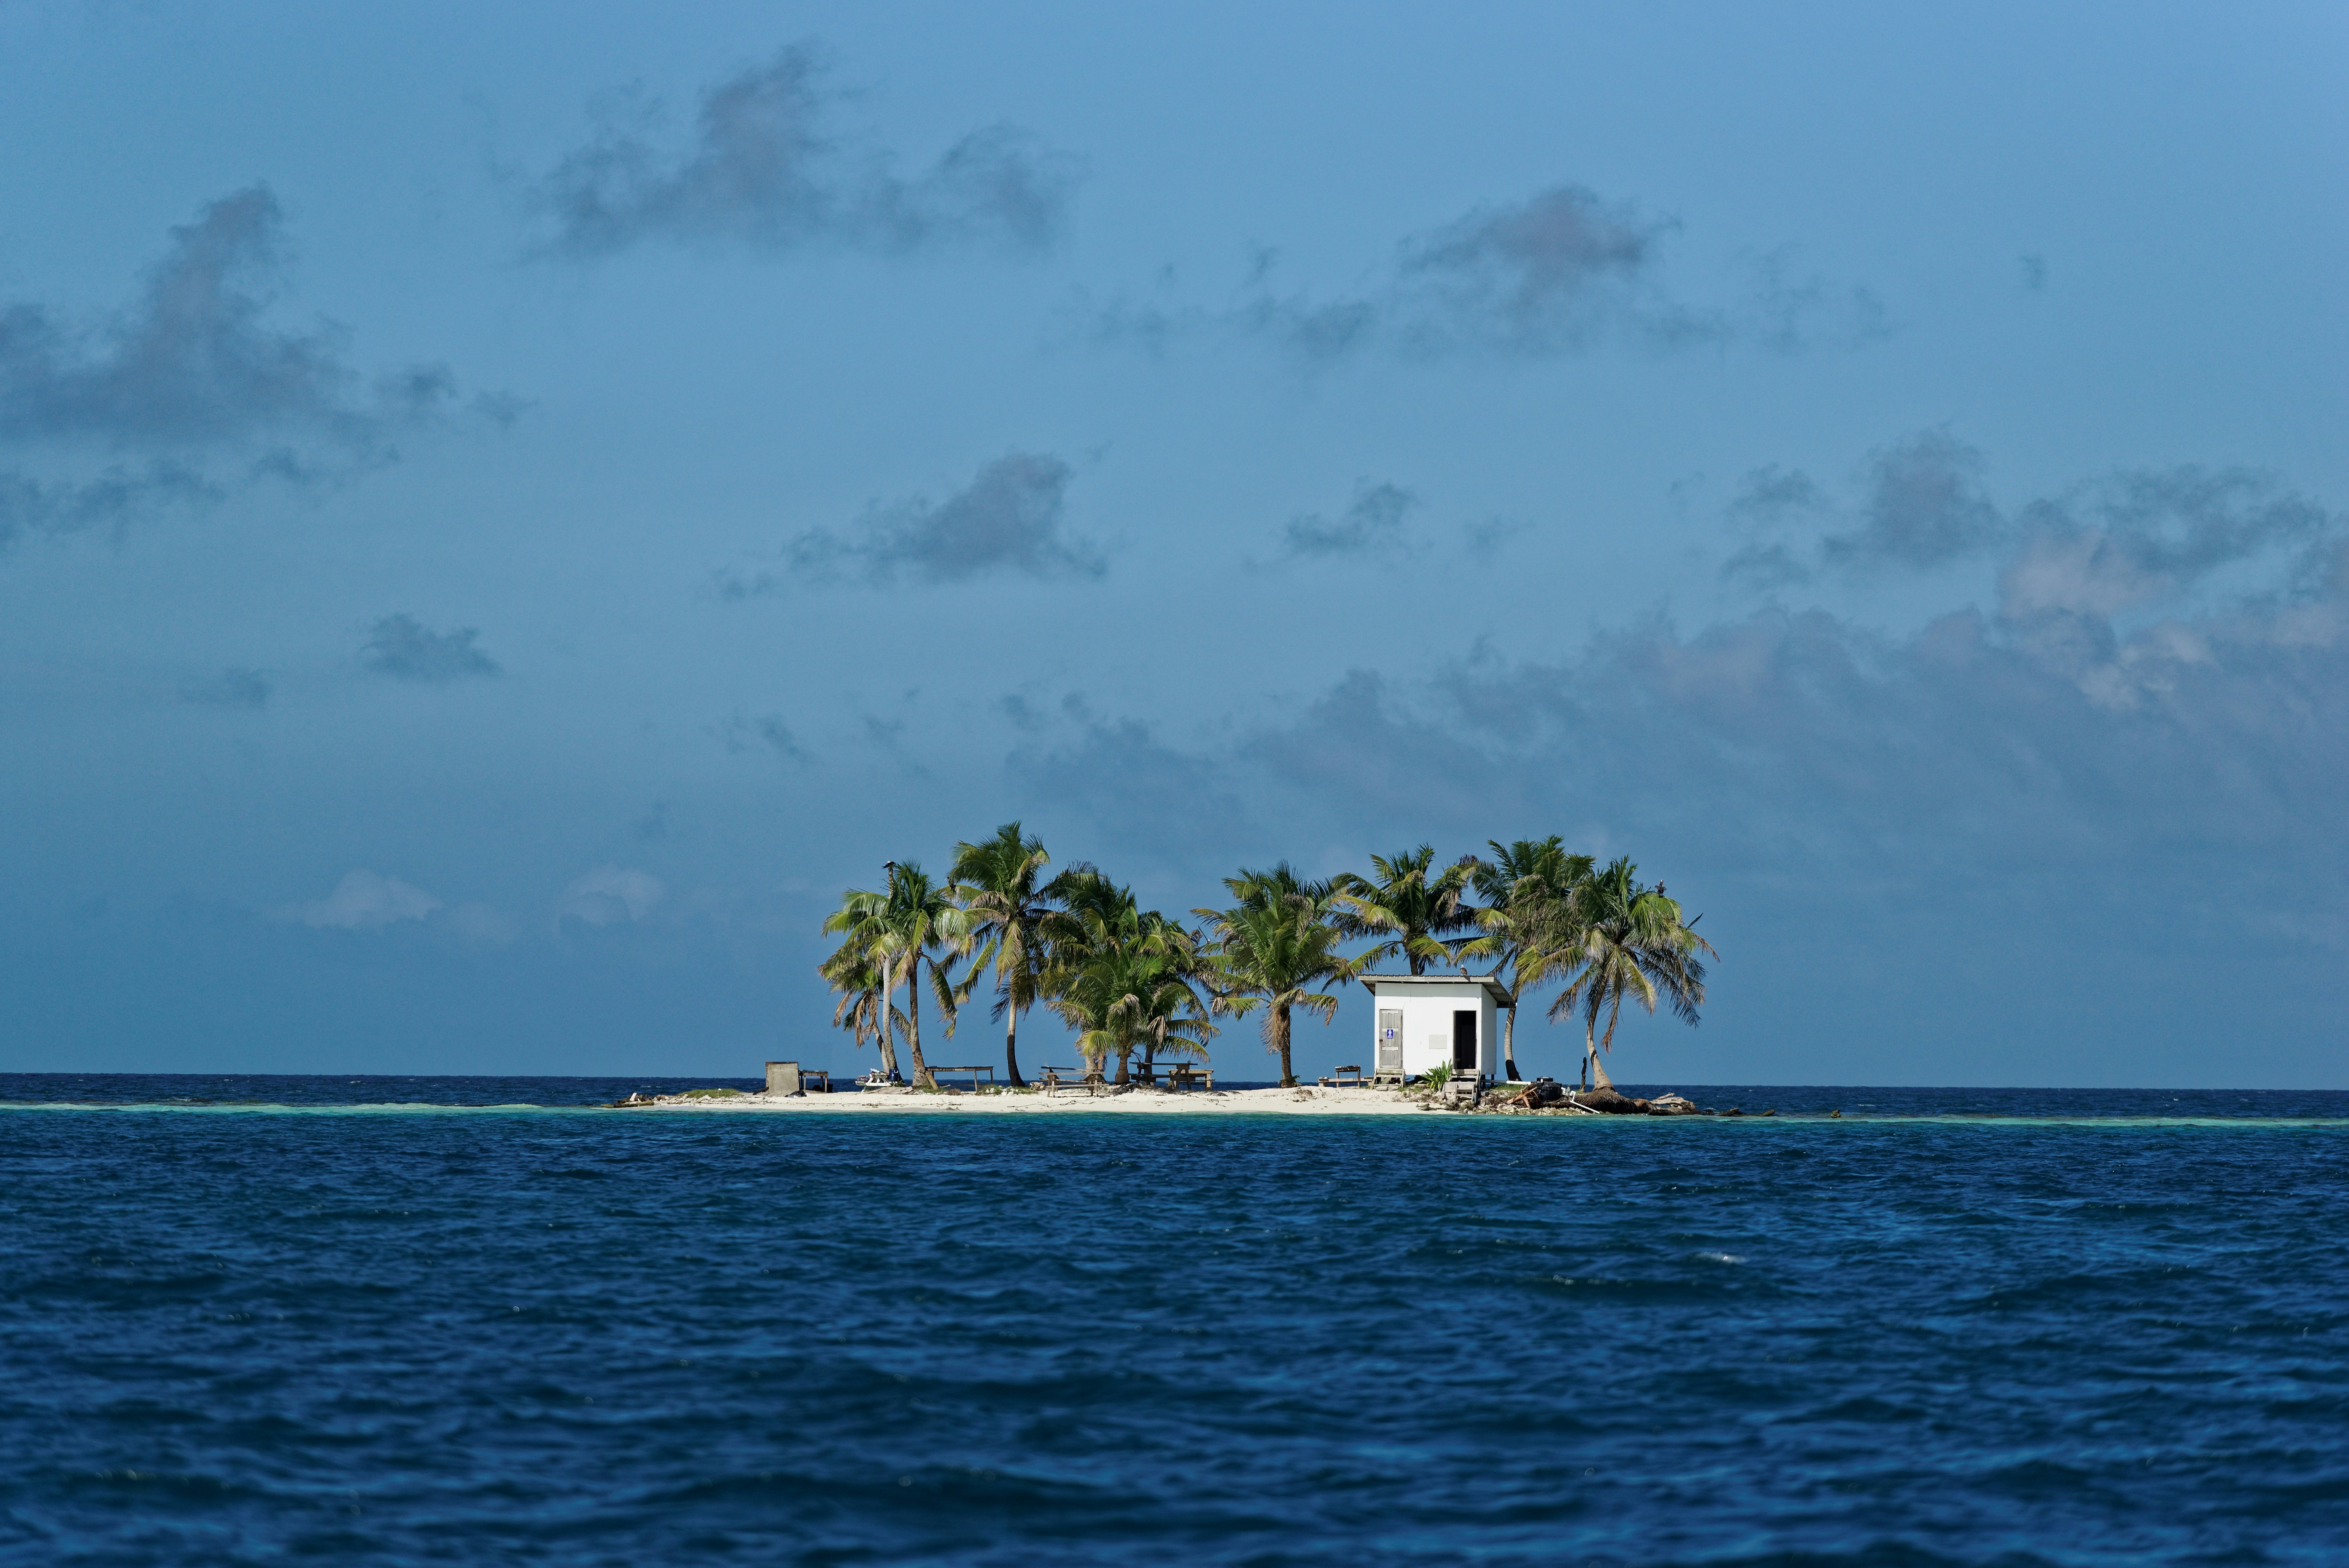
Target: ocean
459,1321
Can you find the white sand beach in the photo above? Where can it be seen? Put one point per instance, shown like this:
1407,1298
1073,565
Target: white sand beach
1133,1101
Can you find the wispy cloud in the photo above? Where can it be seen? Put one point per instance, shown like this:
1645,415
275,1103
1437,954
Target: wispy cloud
404,648
119,495
1372,525
196,374
2156,703
1925,507
611,895
738,732
765,169
1131,783
1010,519
365,900
1922,502
1557,273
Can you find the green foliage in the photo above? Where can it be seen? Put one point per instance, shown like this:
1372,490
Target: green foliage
1616,940
998,882
1412,908
1270,951
1123,978
913,929
1127,979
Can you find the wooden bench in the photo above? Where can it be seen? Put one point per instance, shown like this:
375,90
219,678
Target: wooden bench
1178,1075
1340,1078
1085,1079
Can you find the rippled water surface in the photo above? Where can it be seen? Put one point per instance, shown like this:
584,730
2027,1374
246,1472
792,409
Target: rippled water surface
245,1321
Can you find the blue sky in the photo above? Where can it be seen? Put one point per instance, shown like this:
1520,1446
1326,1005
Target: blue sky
505,511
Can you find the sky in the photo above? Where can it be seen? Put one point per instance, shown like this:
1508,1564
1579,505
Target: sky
507,512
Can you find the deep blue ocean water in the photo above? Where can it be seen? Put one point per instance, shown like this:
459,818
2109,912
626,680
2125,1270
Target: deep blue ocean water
251,1321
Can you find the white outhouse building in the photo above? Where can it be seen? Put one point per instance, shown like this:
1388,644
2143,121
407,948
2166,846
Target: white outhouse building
1431,1020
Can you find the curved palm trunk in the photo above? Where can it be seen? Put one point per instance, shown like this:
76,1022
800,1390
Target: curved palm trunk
1012,1048
1598,1068
914,1024
1509,1043
1280,1040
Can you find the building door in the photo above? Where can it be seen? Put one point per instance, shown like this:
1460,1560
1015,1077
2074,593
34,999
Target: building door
1464,1041
1390,1040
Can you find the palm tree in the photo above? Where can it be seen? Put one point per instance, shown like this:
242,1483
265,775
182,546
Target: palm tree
1121,976
855,974
1625,941
1528,888
858,972
997,881
1280,883
1270,952
914,927
1414,911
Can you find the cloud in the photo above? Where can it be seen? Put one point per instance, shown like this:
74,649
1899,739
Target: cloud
194,371
1925,507
2153,716
1324,747
1977,743
1536,276
1765,567
737,732
2150,536
402,647
194,361
1135,788
1557,273
1771,494
1007,521
365,901
1774,499
1791,313
609,895
1486,537
765,171
1372,525
233,688
2130,539
119,495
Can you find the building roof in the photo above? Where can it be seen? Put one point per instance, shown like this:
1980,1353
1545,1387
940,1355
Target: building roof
1491,983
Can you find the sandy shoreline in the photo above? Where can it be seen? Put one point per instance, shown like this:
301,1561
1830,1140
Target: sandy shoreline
1302,1100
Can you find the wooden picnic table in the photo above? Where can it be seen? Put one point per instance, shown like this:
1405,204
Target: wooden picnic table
1178,1075
1339,1079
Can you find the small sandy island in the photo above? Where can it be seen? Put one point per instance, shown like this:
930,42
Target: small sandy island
1138,1100
1134,1100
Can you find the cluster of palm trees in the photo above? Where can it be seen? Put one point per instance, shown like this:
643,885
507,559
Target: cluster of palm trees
1130,981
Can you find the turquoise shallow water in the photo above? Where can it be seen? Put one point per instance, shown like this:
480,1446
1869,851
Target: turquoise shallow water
2100,1329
